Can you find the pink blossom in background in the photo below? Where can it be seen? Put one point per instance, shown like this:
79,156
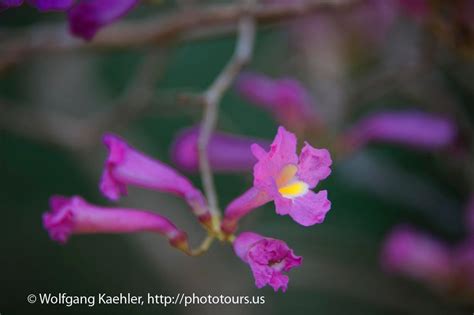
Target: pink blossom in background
86,18
417,255
412,128
280,175
74,215
227,152
126,166
285,98
268,259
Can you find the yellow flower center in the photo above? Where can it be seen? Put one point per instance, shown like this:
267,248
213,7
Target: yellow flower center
288,183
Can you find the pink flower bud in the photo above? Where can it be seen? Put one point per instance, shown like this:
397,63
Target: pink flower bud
76,216
126,166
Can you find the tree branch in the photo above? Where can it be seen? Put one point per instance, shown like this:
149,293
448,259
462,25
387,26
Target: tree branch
182,25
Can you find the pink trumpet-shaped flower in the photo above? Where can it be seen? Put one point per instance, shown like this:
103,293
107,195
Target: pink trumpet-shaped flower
280,175
227,152
76,216
126,166
286,98
412,128
417,255
87,17
268,258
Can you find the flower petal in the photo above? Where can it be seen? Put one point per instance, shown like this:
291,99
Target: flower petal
282,152
306,210
243,243
314,165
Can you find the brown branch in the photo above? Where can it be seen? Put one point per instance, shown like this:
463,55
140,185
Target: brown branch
181,25
212,97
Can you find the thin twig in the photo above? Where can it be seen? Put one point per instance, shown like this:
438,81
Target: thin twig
203,247
212,97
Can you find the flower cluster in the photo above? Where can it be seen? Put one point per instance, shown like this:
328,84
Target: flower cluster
126,166
279,175
283,177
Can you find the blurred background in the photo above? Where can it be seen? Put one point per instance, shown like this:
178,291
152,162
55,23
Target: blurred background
367,57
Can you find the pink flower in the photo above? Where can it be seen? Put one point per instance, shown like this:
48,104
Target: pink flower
268,258
227,152
412,128
280,175
126,166
417,255
75,216
286,98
